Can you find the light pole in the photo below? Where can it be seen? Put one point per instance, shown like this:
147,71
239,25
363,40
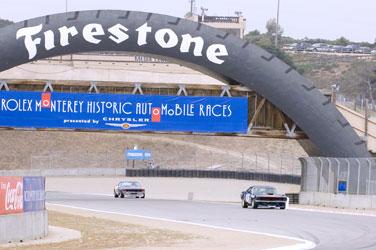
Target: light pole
66,5
276,28
203,13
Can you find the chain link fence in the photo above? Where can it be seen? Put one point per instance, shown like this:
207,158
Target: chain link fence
358,104
161,159
355,176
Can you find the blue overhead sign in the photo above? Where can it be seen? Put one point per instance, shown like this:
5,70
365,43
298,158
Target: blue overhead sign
123,112
138,154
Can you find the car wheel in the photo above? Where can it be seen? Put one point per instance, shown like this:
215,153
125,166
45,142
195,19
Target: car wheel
121,195
244,203
282,207
254,204
115,194
143,197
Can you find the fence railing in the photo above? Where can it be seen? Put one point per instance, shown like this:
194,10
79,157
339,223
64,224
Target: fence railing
358,105
161,159
355,176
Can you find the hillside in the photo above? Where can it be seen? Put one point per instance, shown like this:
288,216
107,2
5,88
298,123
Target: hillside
352,72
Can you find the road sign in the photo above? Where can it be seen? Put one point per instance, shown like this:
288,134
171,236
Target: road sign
138,154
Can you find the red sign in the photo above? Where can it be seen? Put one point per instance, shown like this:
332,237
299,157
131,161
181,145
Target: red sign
11,195
156,114
46,100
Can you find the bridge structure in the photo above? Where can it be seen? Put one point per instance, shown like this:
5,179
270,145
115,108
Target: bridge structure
119,73
194,45
127,74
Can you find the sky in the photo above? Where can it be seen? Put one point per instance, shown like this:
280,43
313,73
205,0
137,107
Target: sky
326,19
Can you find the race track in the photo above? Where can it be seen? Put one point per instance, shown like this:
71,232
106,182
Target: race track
326,230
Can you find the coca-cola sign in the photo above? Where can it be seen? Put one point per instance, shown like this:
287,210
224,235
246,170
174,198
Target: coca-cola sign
11,195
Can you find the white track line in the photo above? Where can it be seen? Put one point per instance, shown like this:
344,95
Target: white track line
232,203
305,245
331,212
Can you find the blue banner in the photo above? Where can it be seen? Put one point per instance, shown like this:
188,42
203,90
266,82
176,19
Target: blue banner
123,112
34,194
138,154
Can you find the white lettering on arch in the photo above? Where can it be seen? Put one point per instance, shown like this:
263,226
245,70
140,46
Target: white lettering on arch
118,32
91,30
30,43
64,34
188,40
216,50
172,38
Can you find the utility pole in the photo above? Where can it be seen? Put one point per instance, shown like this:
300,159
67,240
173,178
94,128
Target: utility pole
366,123
192,6
276,28
203,13
66,6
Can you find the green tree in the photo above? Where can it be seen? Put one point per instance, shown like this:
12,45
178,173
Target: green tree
342,41
4,22
254,33
263,41
361,77
188,14
271,29
365,44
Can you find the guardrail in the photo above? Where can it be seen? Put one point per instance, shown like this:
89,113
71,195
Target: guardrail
190,173
164,159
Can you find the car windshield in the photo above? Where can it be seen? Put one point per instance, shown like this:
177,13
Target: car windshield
130,184
265,190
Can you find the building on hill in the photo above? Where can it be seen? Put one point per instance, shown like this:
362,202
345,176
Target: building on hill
231,24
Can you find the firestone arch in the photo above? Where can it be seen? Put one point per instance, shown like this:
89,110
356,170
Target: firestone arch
194,45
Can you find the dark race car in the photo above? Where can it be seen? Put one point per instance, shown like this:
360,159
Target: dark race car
263,196
129,188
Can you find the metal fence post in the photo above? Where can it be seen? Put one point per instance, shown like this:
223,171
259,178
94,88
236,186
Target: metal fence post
106,160
242,160
126,161
67,158
211,158
194,160
228,159
31,160
160,159
357,188
338,172
348,176
320,174
330,168
293,165
369,176
50,161
177,159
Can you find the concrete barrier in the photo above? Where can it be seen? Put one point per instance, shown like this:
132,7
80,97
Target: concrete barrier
338,200
66,172
20,172
25,226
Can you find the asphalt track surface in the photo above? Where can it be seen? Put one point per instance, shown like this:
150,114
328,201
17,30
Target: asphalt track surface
326,230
